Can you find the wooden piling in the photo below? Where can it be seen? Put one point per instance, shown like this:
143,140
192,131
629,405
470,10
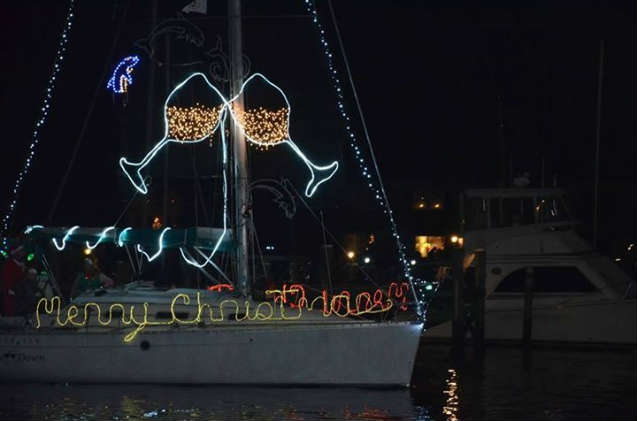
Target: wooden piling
479,297
458,325
527,328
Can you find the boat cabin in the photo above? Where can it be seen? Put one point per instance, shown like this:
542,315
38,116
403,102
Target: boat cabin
524,228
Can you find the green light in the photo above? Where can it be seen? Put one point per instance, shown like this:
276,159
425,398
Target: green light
429,287
4,253
30,257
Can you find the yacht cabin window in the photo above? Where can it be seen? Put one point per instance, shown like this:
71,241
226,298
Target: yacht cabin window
548,280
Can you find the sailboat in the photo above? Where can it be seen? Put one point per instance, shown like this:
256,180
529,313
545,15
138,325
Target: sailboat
221,335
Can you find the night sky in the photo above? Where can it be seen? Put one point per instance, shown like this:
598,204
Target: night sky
432,78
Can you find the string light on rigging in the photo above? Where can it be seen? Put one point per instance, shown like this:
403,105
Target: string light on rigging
374,186
42,119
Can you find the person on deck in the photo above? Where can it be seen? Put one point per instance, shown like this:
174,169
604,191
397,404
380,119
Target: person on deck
11,275
90,279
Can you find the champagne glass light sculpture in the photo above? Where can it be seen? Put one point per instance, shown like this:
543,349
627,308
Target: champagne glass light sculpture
185,121
270,126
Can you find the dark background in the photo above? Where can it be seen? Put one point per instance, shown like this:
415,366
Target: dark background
433,79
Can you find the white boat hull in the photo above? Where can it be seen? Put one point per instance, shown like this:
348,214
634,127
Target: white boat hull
594,322
302,354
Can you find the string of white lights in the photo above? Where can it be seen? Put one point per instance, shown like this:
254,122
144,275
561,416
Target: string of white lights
42,118
375,185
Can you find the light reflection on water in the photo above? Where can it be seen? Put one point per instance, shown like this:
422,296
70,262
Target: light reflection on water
506,384
450,409
149,402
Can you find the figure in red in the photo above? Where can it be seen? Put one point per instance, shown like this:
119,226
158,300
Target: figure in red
11,275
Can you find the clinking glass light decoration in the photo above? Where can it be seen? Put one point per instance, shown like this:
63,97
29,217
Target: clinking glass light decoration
374,186
267,127
44,111
261,126
196,122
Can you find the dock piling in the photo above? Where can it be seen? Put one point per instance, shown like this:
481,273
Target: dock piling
458,326
527,327
478,300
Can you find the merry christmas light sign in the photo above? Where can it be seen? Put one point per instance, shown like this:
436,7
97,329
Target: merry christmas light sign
288,303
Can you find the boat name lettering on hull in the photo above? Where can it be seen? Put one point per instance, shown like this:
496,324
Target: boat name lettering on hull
21,357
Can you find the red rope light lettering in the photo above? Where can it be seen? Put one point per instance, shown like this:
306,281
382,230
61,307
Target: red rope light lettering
220,287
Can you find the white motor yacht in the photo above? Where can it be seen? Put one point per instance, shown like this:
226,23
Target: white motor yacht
579,295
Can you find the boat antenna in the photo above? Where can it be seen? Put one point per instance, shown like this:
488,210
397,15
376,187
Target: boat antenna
327,259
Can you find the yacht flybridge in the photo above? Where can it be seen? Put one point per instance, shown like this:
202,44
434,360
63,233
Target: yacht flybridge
579,296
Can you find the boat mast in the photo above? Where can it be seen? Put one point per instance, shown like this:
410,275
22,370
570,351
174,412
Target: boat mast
240,229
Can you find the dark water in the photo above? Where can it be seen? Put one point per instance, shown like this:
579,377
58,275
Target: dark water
508,384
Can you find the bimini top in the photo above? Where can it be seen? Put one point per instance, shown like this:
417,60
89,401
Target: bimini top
205,238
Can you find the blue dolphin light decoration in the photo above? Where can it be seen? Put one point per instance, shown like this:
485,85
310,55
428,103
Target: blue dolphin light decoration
122,75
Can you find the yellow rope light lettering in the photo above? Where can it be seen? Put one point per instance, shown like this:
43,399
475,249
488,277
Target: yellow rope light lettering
339,305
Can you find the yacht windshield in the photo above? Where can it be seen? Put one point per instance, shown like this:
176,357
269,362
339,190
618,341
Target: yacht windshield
510,209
